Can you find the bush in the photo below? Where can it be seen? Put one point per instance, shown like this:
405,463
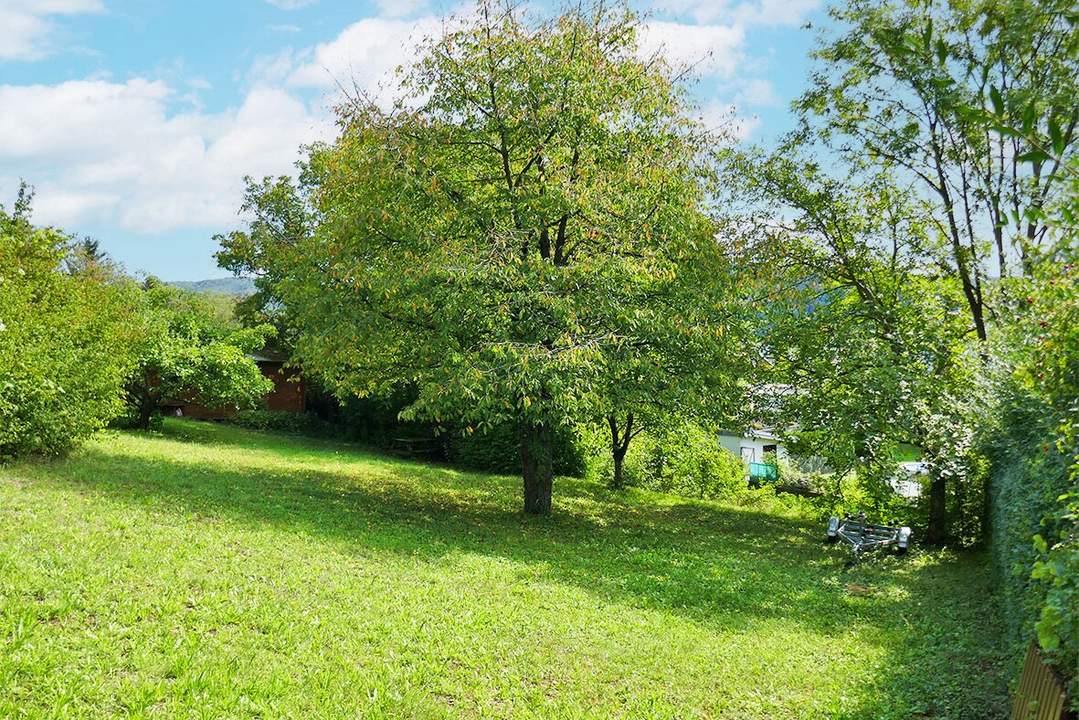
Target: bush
691,462
376,420
1029,476
280,421
797,480
65,342
188,353
1032,440
685,460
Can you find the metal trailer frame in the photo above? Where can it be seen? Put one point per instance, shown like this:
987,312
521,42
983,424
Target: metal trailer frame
863,536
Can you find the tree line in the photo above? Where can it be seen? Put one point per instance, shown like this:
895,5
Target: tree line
82,345
536,232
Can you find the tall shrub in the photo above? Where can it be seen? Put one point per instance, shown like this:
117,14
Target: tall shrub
65,341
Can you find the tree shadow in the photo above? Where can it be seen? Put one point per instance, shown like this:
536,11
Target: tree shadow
724,567
953,661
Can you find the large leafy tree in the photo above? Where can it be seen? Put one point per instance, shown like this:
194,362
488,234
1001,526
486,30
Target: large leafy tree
280,216
508,236
188,352
974,100
869,348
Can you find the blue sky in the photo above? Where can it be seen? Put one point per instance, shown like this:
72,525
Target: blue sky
136,120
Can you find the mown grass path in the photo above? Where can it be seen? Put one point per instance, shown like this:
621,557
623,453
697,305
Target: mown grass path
214,572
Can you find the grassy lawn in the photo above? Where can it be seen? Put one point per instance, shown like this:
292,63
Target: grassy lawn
214,572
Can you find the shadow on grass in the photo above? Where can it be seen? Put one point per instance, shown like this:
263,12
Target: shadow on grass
714,565
952,662
722,566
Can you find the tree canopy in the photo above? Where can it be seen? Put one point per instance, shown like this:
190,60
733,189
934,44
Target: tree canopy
974,102
512,237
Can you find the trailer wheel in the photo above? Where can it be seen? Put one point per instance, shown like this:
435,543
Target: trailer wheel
831,539
900,550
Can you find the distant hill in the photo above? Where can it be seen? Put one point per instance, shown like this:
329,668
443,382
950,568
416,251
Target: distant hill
227,286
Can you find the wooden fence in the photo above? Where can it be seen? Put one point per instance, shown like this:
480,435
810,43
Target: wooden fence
1041,694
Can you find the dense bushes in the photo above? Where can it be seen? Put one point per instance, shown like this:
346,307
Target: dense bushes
685,460
64,342
188,352
1031,440
278,421
1030,477
498,450
376,420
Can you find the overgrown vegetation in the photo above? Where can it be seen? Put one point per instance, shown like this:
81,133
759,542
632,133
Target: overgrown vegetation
83,345
212,570
188,353
535,261
65,341
1032,442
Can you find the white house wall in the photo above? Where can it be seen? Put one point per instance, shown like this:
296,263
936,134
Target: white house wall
750,448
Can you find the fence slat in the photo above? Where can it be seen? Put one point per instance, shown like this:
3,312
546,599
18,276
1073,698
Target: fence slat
1040,695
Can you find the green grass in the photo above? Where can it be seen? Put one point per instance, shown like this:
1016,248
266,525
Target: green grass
214,572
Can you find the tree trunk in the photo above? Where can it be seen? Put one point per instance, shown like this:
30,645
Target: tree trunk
537,468
937,532
618,481
619,446
146,411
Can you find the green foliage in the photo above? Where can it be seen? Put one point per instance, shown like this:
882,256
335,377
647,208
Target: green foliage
64,341
213,571
689,461
188,353
499,450
684,459
865,344
796,479
945,94
281,218
376,419
1035,500
514,238
279,421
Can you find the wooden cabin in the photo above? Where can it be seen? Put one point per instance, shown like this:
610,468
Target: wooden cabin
289,392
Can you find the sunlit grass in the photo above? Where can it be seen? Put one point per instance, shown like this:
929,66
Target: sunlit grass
214,572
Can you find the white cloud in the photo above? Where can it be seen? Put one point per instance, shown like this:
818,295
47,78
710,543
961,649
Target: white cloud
712,50
366,52
115,153
138,156
775,12
753,12
291,4
725,118
25,29
401,8
757,92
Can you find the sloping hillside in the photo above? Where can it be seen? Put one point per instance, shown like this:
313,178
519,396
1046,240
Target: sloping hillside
225,286
213,572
